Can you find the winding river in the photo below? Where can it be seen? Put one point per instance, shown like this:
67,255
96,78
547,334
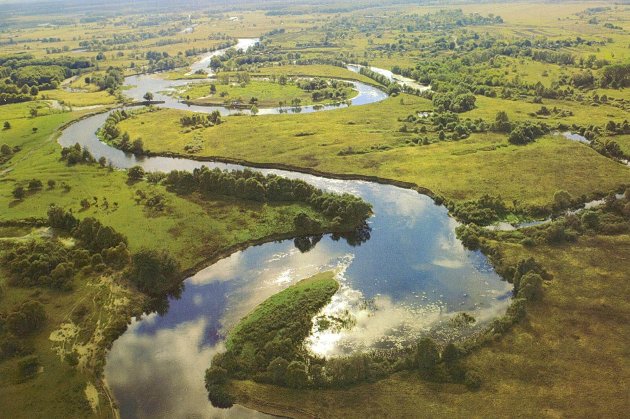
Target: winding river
408,276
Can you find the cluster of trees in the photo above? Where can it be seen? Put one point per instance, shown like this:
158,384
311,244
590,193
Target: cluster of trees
25,76
110,131
485,210
616,76
110,81
20,322
457,101
526,132
345,209
76,155
613,217
153,272
200,119
322,89
162,61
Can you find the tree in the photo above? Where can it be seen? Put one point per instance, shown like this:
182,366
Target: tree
254,110
135,173
501,122
153,272
427,355
6,150
19,192
590,219
561,200
472,379
51,183
27,318
215,375
7,125
296,375
451,353
213,89
33,112
35,185
148,96
277,370
531,286
137,146
219,397
102,161
34,91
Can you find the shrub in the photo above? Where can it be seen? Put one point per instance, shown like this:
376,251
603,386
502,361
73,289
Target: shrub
153,272
135,173
219,397
473,379
28,366
19,192
530,287
296,375
427,355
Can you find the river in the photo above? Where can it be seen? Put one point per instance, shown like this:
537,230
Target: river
407,277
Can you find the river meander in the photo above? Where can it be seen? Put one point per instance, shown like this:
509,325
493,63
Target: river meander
407,277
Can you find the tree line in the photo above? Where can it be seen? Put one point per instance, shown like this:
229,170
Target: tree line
345,209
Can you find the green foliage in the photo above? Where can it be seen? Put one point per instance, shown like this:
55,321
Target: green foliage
473,380
76,155
483,211
267,344
135,173
530,287
154,272
26,318
427,356
28,366
258,187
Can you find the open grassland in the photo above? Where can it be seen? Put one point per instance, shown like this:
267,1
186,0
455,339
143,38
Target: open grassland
267,94
466,169
572,343
315,70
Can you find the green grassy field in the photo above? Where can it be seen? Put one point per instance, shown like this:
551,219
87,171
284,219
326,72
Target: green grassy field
315,70
466,169
269,94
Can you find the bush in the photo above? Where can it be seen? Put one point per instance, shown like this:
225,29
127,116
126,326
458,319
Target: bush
296,375
153,272
215,375
26,319
28,366
427,356
277,370
473,380
135,173
19,192
5,150
531,287
219,397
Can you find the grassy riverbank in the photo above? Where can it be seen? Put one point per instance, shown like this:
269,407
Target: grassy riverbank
366,140
194,229
267,94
